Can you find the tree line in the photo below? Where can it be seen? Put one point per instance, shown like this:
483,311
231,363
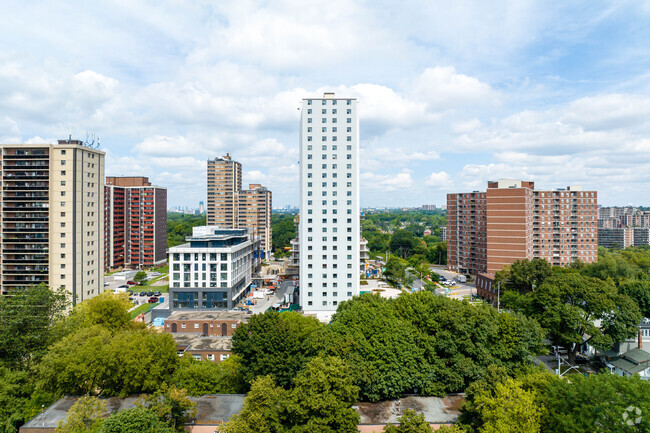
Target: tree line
179,226
597,304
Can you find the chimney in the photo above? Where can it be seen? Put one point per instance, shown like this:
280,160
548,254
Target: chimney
640,339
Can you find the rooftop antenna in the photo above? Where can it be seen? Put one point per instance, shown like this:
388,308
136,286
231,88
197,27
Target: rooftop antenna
90,141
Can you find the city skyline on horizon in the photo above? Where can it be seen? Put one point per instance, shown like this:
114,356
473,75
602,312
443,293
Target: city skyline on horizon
451,94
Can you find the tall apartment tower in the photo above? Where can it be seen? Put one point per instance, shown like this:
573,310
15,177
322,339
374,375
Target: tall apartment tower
512,221
135,215
224,183
52,200
231,207
254,213
329,203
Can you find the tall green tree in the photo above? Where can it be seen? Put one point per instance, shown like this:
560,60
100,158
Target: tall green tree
200,377
108,310
524,276
172,406
403,243
639,292
85,416
16,389
322,398
321,401
575,310
602,402
508,409
26,320
276,344
95,361
263,410
410,422
395,269
135,420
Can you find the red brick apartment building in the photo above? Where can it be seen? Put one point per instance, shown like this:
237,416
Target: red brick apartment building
135,216
512,221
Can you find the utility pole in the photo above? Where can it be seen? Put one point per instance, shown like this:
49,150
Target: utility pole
499,297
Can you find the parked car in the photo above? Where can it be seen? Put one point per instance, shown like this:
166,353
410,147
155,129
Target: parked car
105,284
157,294
143,293
441,278
131,283
153,300
156,274
123,286
130,292
149,293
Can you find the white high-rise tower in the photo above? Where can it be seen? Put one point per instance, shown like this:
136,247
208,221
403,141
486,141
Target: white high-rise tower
329,203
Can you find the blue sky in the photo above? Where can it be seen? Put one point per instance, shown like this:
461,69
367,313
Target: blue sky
452,93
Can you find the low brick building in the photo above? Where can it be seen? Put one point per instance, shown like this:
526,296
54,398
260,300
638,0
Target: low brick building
206,323
486,288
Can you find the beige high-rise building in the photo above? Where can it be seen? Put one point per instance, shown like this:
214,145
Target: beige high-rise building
52,217
224,183
231,207
254,213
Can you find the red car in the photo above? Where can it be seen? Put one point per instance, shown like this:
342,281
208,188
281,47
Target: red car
131,283
153,300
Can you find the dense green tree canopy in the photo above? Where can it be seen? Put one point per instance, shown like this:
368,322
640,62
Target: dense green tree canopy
284,231
275,344
179,227
321,401
26,320
136,420
537,401
200,377
575,309
410,422
95,361
427,343
402,232
85,416
524,275
639,292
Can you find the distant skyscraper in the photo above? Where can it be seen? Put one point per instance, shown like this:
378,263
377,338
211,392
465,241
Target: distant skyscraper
135,215
329,202
229,206
201,208
52,221
513,221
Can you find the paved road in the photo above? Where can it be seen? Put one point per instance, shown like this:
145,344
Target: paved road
264,304
462,289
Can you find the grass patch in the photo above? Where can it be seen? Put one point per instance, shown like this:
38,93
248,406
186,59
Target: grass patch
162,269
154,279
141,309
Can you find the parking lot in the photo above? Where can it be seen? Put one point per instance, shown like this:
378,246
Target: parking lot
457,291
113,282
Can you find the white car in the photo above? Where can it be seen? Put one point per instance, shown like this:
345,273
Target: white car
156,274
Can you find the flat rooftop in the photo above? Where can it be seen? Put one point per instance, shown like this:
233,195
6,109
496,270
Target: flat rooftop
208,344
184,339
211,410
436,410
